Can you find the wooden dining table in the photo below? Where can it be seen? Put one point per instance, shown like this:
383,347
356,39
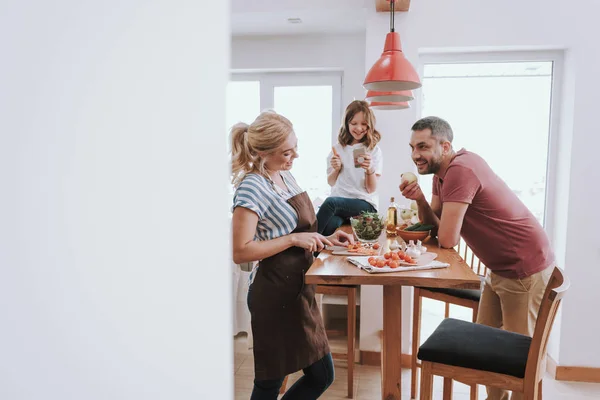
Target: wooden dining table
329,269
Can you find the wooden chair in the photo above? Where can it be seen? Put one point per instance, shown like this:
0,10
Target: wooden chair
462,297
350,292
496,357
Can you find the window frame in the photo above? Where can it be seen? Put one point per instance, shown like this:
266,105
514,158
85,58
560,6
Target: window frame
557,59
269,80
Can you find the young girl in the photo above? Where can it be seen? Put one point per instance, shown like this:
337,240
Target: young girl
353,178
274,222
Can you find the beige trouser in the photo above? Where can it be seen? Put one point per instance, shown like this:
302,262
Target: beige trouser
513,305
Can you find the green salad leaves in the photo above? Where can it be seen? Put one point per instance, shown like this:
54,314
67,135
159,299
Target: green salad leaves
367,225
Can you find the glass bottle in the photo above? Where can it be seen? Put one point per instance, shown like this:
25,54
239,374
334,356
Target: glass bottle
392,218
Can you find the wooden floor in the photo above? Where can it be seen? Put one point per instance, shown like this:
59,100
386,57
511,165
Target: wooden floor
367,379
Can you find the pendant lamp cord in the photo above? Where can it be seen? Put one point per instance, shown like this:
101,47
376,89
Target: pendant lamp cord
392,16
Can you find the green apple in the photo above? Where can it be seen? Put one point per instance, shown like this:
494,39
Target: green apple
408,177
413,205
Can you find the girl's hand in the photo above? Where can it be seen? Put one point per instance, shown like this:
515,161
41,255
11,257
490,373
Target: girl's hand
336,162
311,241
366,164
341,238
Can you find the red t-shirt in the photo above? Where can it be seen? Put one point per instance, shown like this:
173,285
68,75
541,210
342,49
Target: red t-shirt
497,226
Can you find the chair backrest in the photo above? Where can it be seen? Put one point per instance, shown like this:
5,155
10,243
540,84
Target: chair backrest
470,258
556,289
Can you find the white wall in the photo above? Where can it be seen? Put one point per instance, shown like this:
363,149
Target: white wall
341,52
107,290
470,24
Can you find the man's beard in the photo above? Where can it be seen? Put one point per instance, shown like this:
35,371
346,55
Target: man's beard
433,166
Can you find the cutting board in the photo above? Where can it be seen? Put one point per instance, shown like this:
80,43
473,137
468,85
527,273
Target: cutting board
343,251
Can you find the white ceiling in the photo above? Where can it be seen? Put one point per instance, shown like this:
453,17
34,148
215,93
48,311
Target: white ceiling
269,17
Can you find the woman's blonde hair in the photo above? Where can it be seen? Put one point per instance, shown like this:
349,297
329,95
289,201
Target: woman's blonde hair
267,133
372,137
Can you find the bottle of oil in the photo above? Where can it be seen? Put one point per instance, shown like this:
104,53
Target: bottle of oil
392,218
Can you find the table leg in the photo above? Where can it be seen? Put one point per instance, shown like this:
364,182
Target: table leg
391,369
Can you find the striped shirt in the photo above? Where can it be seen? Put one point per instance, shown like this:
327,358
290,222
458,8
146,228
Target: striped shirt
276,217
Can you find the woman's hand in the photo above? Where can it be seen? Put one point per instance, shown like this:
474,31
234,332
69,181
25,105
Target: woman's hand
336,162
366,164
341,238
311,241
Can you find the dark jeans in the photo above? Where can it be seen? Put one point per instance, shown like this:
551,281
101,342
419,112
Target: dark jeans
317,378
335,210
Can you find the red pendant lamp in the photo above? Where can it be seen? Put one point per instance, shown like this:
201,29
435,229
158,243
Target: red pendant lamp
402,95
389,105
392,72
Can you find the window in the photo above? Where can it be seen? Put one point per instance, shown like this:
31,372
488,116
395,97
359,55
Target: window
501,111
243,102
309,108
311,101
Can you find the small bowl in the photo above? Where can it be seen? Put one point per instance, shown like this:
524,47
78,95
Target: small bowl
412,235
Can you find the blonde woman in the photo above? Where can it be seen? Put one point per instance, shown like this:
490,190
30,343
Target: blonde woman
354,168
274,222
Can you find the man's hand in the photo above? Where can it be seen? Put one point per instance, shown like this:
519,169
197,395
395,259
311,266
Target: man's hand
412,191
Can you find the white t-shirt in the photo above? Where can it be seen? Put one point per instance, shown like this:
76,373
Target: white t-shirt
351,181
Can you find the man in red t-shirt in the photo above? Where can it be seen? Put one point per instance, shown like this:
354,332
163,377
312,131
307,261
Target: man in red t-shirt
471,201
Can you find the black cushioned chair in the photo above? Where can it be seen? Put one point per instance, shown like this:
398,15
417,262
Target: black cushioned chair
462,297
478,354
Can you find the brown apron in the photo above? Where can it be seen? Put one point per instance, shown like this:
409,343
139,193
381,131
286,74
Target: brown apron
287,328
